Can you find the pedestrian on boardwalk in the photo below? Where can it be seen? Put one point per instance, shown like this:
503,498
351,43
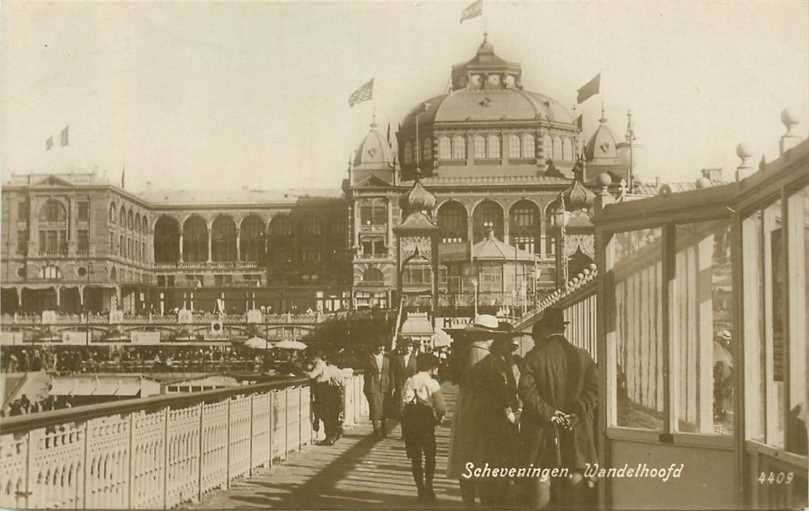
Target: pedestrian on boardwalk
422,408
403,367
466,438
377,386
320,394
496,379
559,389
335,400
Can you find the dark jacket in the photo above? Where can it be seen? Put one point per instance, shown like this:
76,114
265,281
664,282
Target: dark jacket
401,372
558,376
377,384
497,386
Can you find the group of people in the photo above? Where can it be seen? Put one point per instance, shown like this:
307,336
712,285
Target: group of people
328,391
535,412
23,406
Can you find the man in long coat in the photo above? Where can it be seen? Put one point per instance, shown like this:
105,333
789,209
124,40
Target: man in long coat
558,385
377,386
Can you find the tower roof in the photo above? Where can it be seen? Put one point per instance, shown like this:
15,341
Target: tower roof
373,152
601,146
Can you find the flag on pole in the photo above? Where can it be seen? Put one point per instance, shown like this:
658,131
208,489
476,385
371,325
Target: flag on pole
590,89
64,136
473,10
364,93
49,143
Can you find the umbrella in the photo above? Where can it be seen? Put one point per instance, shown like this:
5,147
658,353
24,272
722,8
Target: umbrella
290,345
257,343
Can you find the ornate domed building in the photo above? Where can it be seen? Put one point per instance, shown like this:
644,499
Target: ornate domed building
493,156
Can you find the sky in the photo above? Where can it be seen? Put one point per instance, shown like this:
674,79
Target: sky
232,95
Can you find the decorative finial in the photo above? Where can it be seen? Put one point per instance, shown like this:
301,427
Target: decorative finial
789,119
630,131
603,118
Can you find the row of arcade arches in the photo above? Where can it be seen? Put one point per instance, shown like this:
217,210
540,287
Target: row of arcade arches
247,242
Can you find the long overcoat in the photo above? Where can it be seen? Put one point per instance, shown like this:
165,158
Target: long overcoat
465,441
558,376
377,385
496,383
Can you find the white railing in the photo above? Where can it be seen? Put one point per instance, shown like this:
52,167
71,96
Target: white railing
156,453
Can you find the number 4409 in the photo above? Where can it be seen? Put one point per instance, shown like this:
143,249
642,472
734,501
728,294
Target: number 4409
775,478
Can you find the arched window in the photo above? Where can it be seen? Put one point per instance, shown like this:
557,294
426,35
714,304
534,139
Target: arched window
374,275
52,211
444,148
547,146
137,223
195,240
488,217
480,147
408,152
130,220
251,239
145,227
458,148
528,148
494,147
524,226
280,246
567,149
122,246
122,218
112,213
223,239
52,228
452,222
50,273
280,226
513,147
427,149
558,154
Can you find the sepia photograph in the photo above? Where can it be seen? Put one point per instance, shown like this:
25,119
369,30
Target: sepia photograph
404,254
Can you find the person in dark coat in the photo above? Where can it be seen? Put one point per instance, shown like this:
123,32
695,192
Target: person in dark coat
403,366
378,387
497,385
559,389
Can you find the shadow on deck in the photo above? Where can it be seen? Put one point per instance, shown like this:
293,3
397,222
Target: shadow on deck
358,472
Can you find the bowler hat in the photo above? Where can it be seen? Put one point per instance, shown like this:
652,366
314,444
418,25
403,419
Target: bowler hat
552,318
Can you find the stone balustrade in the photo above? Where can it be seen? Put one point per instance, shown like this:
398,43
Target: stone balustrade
159,452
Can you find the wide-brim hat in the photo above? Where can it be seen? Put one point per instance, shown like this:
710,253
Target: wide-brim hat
486,325
552,318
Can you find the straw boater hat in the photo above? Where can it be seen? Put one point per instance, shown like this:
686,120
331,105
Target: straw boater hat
486,325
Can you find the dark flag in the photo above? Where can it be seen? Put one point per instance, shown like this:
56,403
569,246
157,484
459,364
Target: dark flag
473,10
49,143
64,136
590,89
364,93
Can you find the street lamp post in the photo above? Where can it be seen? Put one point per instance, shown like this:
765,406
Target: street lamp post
475,285
561,217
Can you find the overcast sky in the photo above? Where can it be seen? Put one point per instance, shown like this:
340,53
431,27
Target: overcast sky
199,95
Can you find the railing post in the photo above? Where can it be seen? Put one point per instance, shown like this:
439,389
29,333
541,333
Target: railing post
271,435
286,422
201,449
227,450
250,466
84,464
28,455
165,456
131,477
300,417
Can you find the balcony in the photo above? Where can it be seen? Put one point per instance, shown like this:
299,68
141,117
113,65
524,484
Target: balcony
208,266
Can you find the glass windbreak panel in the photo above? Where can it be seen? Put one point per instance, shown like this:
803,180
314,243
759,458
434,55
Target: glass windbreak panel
702,329
634,329
763,321
798,227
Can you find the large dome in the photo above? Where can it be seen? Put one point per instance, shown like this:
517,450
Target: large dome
487,89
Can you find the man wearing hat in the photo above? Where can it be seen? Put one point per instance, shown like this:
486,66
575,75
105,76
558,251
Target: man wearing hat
403,367
722,375
377,386
467,442
496,380
559,389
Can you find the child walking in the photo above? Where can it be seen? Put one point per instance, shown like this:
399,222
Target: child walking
422,408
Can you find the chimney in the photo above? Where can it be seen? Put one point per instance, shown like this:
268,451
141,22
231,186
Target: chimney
714,175
789,139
